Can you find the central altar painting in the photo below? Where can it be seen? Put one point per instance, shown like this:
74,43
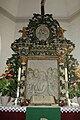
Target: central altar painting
42,80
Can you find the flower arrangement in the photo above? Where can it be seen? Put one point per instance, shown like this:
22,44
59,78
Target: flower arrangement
7,85
74,89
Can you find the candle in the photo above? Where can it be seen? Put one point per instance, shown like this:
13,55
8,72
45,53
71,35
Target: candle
19,74
17,91
66,78
16,102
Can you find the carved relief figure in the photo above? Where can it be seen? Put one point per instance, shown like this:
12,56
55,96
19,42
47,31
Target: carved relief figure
52,82
30,83
41,85
50,78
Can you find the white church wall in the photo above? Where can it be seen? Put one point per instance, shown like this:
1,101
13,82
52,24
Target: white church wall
73,33
7,29
74,28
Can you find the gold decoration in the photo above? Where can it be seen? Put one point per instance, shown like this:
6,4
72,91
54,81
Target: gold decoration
61,52
60,32
76,70
23,59
24,32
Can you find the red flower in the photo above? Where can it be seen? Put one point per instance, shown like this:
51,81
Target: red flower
10,75
75,87
10,78
75,81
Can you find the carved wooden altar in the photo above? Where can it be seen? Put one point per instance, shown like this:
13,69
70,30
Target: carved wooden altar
43,52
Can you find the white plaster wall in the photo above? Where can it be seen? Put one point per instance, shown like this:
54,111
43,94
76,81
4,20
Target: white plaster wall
74,28
7,29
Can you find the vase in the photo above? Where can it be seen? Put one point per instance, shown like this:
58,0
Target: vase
78,99
4,100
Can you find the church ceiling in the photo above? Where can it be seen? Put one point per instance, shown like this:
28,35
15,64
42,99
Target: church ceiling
22,10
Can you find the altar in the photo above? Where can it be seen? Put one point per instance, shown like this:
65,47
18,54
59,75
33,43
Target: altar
42,70
21,113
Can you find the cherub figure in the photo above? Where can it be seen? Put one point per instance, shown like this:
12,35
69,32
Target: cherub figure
24,31
60,33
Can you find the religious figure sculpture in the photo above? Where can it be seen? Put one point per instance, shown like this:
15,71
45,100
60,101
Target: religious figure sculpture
30,83
52,87
41,85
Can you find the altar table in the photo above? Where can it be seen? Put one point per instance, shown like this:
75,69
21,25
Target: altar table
19,113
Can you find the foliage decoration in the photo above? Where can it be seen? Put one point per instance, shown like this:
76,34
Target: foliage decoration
8,85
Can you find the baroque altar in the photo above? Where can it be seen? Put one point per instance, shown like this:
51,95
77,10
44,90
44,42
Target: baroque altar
42,63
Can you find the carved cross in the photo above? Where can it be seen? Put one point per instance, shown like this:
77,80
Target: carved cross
42,6
24,32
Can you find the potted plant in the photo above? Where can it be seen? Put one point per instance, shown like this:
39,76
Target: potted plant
7,87
74,88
